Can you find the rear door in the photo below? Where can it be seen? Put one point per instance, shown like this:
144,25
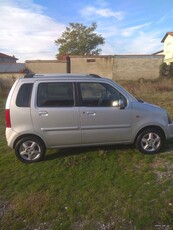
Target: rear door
101,120
54,114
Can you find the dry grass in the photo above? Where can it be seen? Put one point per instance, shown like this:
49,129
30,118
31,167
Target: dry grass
143,87
5,86
136,88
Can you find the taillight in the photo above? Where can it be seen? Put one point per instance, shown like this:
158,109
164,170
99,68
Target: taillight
7,118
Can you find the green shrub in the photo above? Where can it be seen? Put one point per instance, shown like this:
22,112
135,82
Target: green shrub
166,70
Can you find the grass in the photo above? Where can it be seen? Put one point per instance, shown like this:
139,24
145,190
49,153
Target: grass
113,187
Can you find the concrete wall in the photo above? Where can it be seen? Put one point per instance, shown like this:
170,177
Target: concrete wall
117,67
133,67
101,65
47,66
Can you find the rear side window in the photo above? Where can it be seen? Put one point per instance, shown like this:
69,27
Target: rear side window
24,95
55,94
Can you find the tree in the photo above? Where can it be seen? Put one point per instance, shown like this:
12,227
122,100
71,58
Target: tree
78,39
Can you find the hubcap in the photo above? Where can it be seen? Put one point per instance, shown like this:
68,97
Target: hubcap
150,142
30,150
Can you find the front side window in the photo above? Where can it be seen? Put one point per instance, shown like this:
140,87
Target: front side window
24,95
55,94
99,95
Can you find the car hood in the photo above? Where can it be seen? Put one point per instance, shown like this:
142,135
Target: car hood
145,106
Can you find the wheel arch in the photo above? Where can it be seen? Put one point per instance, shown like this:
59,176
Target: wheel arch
150,127
29,135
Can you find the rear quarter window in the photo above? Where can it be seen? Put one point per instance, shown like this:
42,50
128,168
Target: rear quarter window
24,95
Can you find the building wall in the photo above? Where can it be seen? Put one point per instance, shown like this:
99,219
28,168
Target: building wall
168,49
133,67
119,67
101,65
47,66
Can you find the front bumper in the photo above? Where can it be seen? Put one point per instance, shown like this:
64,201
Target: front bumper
170,131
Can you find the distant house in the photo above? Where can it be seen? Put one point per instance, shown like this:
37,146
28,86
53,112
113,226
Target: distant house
168,47
9,66
12,68
4,58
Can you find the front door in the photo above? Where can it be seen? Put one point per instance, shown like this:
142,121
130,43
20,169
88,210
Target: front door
102,121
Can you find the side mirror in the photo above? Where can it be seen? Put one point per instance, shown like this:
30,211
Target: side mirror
118,103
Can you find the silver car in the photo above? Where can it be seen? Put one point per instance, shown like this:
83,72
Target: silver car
60,111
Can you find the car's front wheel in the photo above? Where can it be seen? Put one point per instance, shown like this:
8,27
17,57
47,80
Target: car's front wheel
30,149
150,141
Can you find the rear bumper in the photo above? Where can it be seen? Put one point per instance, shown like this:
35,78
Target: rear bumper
10,137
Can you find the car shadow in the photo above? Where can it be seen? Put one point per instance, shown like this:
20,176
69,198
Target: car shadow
63,153
168,147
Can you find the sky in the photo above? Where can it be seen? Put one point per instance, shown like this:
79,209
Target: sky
29,28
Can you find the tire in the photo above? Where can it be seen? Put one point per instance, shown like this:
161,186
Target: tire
30,149
150,141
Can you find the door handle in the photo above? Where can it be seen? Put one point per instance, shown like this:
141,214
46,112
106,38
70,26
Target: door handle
91,113
43,113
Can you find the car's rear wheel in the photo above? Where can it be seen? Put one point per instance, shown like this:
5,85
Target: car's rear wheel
30,149
150,141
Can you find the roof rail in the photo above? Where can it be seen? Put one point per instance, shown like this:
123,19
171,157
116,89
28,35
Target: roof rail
94,75
31,75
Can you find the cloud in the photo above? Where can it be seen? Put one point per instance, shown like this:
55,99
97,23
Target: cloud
138,39
27,4
89,11
127,32
142,43
25,29
166,17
